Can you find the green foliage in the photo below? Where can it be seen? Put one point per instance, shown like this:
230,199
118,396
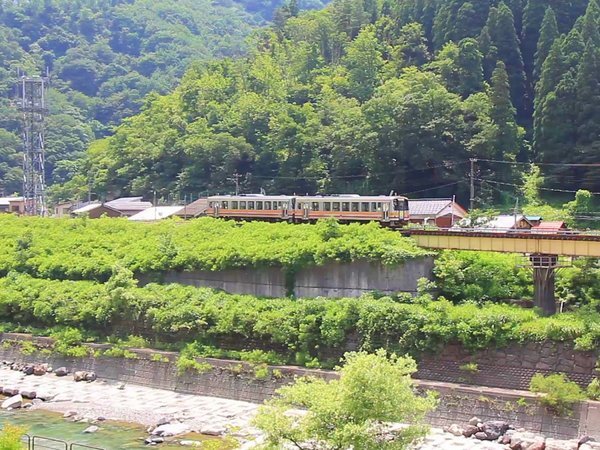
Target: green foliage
112,249
187,362
469,367
277,331
559,394
481,277
593,390
10,437
348,413
27,348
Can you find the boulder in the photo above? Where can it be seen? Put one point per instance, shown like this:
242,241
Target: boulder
10,391
61,372
522,440
213,430
101,418
494,429
171,429
555,444
590,445
539,445
16,401
162,421
28,394
28,369
79,375
470,430
481,436
154,440
474,421
40,369
90,376
69,414
91,429
46,396
454,429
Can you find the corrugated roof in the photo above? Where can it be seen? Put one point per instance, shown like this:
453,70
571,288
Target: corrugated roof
194,209
156,213
428,207
87,208
504,222
552,225
129,204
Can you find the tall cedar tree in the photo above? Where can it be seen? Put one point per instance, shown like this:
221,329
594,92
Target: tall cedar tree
588,101
503,115
501,26
533,19
548,34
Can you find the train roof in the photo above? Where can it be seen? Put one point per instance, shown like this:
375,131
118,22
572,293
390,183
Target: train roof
246,197
348,197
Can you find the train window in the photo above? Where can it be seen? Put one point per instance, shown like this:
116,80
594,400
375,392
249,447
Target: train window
378,206
315,206
336,206
234,205
355,206
285,205
225,205
267,205
364,207
345,206
259,206
242,205
326,206
250,205
373,206
396,204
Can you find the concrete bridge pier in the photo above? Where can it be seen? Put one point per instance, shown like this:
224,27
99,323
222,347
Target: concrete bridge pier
544,275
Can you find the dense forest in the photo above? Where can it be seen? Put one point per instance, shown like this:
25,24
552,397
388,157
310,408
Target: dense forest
365,96
104,57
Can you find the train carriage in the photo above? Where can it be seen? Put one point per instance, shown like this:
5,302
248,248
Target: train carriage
259,207
388,210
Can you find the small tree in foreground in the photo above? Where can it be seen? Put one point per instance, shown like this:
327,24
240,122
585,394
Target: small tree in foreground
355,411
10,437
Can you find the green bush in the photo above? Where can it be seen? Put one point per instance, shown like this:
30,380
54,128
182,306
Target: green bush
91,249
559,394
593,389
10,437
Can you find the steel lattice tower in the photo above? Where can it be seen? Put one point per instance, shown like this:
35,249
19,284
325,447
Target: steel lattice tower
34,109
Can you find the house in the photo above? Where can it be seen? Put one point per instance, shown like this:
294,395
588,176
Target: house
156,213
95,211
550,227
129,206
14,205
64,209
508,222
534,220
194,209
442,212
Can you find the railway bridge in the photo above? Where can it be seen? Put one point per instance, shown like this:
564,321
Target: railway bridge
542,248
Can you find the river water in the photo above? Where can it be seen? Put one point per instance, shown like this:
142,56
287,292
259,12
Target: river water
111,436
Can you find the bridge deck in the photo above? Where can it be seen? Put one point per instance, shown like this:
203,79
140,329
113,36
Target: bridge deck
510,241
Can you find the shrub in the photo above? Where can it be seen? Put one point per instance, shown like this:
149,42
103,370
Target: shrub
593,389
559,394
470,367
10,437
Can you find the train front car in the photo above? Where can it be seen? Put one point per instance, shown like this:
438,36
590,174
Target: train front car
388,210
252,207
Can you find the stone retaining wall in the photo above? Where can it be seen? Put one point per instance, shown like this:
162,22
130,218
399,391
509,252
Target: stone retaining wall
329,280
511,367
235,380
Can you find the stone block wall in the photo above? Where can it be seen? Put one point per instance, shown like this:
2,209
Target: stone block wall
511,367
235,380
330,280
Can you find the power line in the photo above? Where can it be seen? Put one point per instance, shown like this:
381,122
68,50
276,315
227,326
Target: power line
539,164
541,188
433,188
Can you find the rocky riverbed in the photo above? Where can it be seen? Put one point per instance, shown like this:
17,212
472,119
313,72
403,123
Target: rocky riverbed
166,413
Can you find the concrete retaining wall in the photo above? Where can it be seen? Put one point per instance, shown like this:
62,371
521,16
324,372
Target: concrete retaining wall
330,280
234,380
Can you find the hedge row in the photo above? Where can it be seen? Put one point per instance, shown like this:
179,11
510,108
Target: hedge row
300,330
83,249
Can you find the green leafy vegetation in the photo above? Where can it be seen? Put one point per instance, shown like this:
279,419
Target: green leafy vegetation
91,249
349,412
559,394
372,96
593,389
309,332
10,437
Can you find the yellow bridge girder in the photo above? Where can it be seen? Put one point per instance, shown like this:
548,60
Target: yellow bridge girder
510,242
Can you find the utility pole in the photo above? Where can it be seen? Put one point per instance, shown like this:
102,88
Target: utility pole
236,178
473,161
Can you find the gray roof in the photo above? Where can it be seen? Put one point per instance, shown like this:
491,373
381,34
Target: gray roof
129,204
430,207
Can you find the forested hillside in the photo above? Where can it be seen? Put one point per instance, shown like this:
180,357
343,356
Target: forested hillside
104,57
371,96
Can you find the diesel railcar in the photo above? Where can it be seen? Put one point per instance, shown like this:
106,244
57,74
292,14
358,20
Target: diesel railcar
388,210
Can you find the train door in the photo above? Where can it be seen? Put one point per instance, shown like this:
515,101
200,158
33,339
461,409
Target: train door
305,210
284,209
385,210
216,207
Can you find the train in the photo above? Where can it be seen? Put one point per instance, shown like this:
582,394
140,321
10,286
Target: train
388,210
